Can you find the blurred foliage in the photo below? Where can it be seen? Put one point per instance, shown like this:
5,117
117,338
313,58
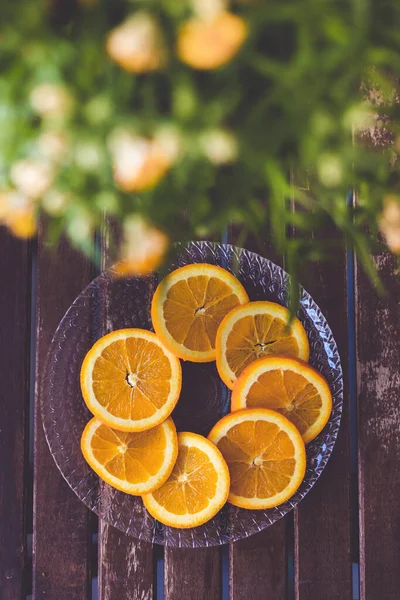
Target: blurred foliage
288,102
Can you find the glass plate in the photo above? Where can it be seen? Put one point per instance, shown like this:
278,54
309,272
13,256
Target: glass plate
108,304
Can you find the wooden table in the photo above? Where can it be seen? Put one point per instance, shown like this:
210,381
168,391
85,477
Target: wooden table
341,543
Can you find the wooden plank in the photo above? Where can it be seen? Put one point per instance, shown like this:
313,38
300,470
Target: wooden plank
323,518
192,573
378,361
61,536
125,563
15,309
125,566
258,565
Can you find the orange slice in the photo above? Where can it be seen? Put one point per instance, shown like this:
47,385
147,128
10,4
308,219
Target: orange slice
135,463
265,454
289,386
188,306
197,487
255,330
130,381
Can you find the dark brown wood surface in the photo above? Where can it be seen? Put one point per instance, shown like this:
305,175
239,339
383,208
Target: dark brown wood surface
258,565
125,566
323,518
61,540
15,311
125,563
194,574
378,362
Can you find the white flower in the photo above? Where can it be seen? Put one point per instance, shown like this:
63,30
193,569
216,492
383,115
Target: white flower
32,178
136,44
139,163
219,146
51,100
131,156
209,9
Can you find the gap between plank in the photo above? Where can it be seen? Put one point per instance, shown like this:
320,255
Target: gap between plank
354,539
158,572
225,572
290,564
30,433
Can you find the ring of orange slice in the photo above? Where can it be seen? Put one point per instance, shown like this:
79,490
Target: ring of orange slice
189,305
135,463
118,382
289,386
254,330
265,454
197,488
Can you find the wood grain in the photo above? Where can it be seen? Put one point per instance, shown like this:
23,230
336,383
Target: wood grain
125,566
125,563
61,539
194,574
323,518
258,565
15,310
378,362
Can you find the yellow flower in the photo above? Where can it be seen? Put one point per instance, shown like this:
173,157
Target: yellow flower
51,100
18,213
136,44
389,223
139,163
208,44
143,248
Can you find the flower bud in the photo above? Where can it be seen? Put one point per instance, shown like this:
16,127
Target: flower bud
136,44
209,44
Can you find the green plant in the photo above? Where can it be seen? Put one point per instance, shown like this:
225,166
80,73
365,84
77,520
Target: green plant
218,138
